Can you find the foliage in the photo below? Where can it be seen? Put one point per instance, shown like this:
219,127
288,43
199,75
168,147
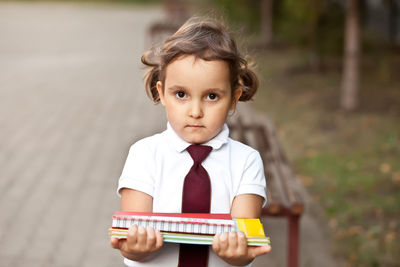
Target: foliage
348,162
240,12
315,24
357,188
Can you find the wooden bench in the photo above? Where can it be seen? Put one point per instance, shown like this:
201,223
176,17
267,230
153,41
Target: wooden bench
284,200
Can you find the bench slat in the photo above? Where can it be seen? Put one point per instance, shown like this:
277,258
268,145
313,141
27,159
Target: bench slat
282,196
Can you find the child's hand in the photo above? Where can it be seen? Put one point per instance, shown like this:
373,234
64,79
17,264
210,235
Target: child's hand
140,242
232,248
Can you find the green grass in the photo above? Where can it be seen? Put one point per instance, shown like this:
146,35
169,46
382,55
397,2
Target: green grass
349,162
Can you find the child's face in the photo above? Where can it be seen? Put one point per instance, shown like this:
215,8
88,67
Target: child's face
197,97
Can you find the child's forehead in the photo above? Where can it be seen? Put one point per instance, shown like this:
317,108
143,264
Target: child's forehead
192,72
188,63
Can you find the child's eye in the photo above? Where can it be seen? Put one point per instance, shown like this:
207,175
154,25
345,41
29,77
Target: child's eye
180,94
212,97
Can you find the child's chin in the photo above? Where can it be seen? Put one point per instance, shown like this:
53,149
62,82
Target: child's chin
195,140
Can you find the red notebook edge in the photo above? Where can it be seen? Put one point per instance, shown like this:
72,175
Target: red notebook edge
217,216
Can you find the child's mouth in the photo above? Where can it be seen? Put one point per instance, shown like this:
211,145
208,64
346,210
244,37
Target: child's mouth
195,126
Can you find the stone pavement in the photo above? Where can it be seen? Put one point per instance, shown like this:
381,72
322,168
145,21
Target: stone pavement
71,103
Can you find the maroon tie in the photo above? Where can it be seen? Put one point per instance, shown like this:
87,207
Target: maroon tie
196,198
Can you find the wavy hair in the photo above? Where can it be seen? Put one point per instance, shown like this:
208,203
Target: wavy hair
205,39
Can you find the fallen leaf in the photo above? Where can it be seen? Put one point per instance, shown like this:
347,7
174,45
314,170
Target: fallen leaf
354,230
396,178
385,167
389,237
333,223
306,180
310,153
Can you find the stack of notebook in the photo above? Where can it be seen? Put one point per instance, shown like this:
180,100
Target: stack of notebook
189,228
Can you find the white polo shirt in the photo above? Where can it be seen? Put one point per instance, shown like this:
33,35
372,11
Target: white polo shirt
157,165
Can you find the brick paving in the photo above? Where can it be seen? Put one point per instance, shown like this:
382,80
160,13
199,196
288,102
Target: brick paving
71,103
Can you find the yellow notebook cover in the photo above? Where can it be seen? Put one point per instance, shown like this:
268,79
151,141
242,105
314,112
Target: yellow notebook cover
252,228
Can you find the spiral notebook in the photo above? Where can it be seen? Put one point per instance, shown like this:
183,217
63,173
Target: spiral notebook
189,228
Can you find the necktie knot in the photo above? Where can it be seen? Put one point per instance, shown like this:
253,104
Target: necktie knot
199,152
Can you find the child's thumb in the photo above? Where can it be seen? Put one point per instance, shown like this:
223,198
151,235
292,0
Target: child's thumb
114,242
258,251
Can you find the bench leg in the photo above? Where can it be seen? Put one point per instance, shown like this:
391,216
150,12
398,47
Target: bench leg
293,260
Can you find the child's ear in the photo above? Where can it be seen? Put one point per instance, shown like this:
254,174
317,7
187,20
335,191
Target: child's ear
236,95
160,92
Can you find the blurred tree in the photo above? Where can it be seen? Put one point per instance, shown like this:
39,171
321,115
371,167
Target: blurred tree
315,25
267,32
298,19
351,60
241,12
393,15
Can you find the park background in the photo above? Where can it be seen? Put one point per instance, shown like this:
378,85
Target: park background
336,111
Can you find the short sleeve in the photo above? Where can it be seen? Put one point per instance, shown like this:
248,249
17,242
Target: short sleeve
138,173
253,178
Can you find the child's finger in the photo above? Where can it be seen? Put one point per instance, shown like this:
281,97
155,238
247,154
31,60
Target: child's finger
223,241
215,243
132,235
141,237
159,239
151,238
233,240
242,244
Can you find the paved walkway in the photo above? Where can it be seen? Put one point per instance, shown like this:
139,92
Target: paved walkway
71,103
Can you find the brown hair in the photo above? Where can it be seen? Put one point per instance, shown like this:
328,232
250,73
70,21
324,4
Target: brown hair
206,39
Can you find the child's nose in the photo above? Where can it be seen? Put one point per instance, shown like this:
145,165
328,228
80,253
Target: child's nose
196,110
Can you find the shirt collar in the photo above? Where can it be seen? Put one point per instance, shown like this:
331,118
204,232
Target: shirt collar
180,145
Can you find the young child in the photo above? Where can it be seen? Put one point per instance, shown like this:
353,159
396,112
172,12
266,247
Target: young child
198,75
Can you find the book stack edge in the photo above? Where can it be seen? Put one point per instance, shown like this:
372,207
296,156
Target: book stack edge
189,228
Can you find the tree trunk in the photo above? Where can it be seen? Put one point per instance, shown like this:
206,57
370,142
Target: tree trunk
267,33
351,68
393,13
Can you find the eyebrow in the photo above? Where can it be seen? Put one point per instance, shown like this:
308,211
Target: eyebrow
178,87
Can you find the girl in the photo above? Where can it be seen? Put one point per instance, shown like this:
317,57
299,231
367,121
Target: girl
198,75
